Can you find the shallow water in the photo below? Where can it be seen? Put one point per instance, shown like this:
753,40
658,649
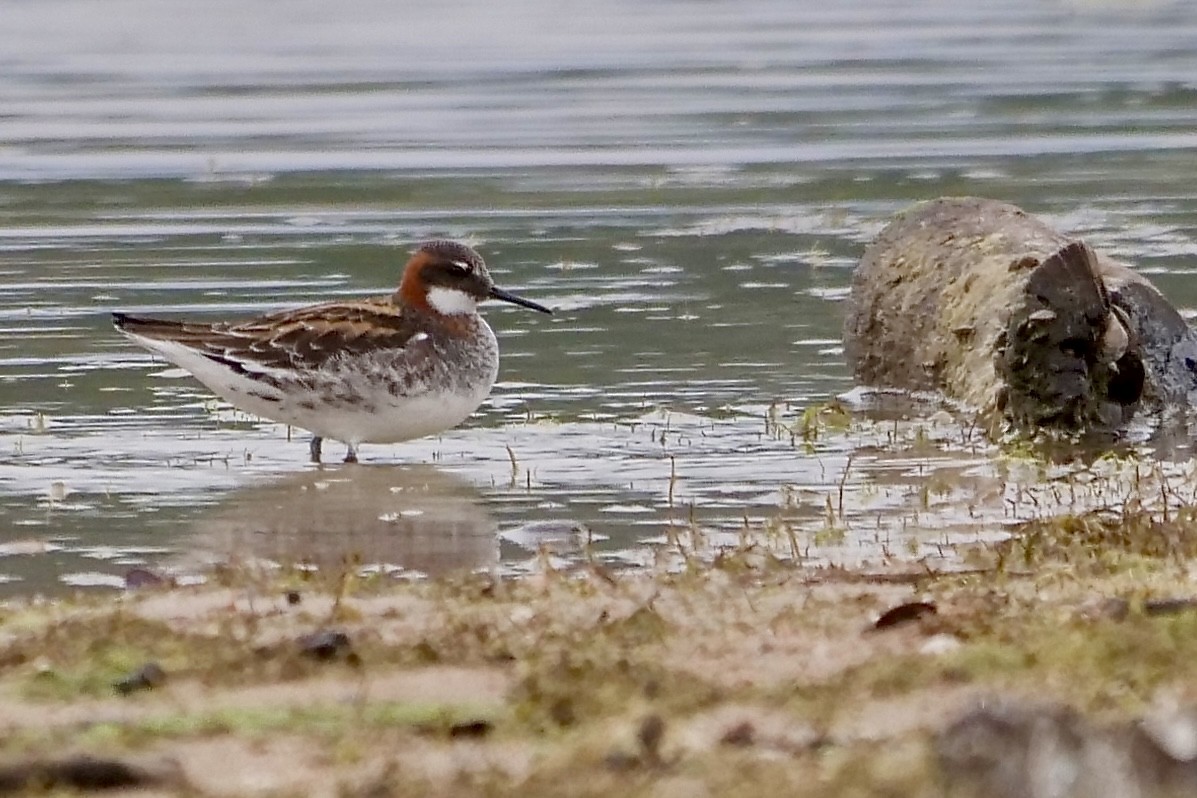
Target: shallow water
687,183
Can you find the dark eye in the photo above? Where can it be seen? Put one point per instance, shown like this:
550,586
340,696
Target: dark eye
1191,364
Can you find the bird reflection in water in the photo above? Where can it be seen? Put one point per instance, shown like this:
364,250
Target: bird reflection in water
413,518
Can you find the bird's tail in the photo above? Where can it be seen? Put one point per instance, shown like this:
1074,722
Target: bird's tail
147,328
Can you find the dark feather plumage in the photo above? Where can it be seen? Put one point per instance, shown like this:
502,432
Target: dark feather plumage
304,339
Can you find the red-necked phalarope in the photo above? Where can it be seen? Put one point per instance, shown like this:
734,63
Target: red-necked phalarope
381,370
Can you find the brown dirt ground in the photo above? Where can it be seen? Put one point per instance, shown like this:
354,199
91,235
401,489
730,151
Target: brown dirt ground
743,677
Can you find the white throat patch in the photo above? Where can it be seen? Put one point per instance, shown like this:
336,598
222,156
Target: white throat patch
451,302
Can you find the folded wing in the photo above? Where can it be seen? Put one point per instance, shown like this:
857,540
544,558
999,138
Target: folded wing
308,339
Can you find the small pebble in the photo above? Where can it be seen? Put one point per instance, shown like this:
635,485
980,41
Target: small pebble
941,419
621,761
1173,728
138,578
1114,609
940,644
741,735
650,734
86,773
905,613
325,645
471,728
146,677
1169,606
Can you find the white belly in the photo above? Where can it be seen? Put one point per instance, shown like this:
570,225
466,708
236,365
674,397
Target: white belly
356,404
382,419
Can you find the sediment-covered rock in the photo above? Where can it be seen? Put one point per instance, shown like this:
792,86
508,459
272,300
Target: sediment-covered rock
1165,342
1004,749
975,298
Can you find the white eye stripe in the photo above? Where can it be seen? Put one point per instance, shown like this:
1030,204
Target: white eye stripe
461,264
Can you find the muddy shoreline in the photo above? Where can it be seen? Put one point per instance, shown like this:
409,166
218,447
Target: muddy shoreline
741,674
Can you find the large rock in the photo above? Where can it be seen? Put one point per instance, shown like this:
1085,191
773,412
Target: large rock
1030,327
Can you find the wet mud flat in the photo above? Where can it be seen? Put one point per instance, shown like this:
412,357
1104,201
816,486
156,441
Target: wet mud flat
1059,662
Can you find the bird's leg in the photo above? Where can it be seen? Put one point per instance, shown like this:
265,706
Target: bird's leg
314,448
351,455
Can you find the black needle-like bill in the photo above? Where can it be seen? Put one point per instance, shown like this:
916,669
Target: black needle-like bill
499,293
